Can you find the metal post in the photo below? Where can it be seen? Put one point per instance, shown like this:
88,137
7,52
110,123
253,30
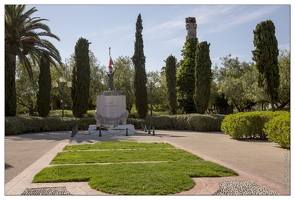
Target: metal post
74,131
126,131
99,132
153,130
151,87
62,99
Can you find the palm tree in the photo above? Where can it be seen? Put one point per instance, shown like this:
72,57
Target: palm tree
22,40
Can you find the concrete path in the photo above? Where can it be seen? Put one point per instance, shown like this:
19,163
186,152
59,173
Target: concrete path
261,162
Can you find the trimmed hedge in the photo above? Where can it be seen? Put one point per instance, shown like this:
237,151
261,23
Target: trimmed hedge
136,122
259,124
248,124
69,113
195,122
278,130
29,124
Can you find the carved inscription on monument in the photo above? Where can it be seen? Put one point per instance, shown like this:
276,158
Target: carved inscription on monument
111,106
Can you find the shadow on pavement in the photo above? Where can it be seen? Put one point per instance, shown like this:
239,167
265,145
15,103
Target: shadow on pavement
7,166
82,136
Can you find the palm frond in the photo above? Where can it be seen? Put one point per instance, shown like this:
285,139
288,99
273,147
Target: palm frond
24,35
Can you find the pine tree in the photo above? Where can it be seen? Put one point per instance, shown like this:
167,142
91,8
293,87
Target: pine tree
81,78
170,71
203,77
185,77
140,78
266,57
43,98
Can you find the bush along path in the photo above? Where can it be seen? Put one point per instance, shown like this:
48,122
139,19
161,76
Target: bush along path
274,126
130,168
30,124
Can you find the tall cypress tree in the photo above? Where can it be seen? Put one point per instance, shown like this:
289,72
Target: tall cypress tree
185,77
140,78
43,98
203,77
81,78
10,91
266,57
170,71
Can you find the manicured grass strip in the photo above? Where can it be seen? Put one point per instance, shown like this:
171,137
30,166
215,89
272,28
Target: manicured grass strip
118,145
168,177
115,156
135,179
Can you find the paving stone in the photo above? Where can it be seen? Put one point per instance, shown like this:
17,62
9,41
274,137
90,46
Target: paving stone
242,188
46,191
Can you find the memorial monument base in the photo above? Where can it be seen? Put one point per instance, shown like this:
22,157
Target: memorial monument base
119,130
110,113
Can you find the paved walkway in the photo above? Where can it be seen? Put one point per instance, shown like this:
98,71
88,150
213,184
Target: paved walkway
260,162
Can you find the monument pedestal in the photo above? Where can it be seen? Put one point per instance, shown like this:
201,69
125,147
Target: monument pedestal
119,130
111,114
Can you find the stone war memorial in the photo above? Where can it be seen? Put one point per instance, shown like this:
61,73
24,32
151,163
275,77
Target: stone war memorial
111,114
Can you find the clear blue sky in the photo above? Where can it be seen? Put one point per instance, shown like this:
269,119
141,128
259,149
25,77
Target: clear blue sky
227,27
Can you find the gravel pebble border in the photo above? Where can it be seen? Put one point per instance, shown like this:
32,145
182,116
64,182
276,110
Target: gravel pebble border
242,188
46,191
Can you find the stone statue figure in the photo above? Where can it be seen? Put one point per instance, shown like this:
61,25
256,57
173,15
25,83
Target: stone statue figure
111,79
111,73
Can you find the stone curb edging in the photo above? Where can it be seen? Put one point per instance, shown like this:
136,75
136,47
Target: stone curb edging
18,184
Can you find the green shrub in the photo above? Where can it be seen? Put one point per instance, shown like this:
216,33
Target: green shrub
161,122
14,125
218,120
230,126
136,122
278,130
201,122
183,122
58,113
29,124
89,114
196,122
69,113
248,124
133,115
244,125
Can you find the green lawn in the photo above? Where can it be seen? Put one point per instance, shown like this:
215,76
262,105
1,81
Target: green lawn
118,145
111,168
